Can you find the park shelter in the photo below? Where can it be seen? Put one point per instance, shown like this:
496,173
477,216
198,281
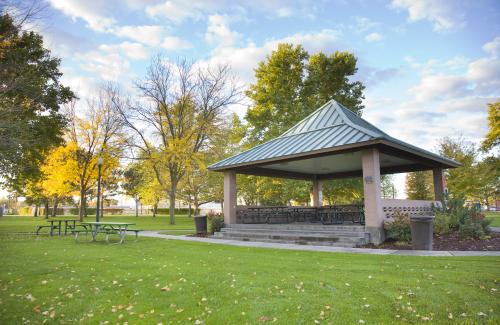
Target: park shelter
333,143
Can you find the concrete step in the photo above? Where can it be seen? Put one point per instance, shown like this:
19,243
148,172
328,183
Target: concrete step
295,241
353,240
298,226
341,233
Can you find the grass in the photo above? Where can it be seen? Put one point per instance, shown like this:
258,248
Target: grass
152,281
494,217
168,281
183,223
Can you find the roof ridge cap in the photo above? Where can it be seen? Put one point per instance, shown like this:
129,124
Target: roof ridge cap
354,125
307,117
319,129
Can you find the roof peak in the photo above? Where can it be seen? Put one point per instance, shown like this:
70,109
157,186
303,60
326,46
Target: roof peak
331,114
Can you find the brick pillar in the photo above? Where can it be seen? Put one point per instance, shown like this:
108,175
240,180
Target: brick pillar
437,175
317,194
229,197
374,220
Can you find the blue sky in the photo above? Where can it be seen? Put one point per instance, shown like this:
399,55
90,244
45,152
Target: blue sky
429,66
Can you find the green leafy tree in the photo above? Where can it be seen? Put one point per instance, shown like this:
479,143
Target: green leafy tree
488,173
30,97
493,136
132,180
462,182
419,186
291,84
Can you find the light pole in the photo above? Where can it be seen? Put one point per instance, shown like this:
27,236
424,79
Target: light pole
99,165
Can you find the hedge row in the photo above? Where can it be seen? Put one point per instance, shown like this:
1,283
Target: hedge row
167,211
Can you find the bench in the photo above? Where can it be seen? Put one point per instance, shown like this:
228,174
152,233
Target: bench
40,228
86,231
136,232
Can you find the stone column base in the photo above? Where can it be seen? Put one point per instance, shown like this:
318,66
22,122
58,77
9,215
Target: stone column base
377,234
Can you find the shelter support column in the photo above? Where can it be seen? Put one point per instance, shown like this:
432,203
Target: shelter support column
437,175
229,197
317,193
374,220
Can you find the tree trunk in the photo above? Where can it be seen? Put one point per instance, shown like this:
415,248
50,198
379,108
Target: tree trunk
81,211
136,207
46,208
35,213
196,208
189,209
54,209
155,209
173,189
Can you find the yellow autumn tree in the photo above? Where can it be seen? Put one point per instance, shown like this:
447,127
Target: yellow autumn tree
59,174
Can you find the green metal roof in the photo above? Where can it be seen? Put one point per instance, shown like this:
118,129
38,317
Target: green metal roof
330,127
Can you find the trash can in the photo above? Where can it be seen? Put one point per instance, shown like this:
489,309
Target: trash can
421,232
201,224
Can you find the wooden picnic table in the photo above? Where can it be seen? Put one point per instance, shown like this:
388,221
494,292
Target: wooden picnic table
107,227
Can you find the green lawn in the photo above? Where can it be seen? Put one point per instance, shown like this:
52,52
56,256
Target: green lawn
175,282
183,224
494,217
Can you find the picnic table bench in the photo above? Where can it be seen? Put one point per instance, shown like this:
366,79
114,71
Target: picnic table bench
56,224
107,228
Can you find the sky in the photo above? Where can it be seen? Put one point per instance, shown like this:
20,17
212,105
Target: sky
429,66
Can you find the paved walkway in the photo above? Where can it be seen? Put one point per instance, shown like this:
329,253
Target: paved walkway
156,234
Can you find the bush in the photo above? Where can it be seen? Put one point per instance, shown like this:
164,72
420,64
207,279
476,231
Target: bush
469,222
216,222
399,228
443,223
166,211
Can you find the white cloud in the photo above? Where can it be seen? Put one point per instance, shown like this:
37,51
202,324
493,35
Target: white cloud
176,11
218,31
284,12
175,43
364,24
107,66
493,47
90,11
373,37
146,34
439,86
134,51
243,60
444,14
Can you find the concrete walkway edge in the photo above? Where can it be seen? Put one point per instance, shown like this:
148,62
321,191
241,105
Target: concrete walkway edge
157,234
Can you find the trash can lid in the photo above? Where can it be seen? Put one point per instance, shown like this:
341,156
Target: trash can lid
200,216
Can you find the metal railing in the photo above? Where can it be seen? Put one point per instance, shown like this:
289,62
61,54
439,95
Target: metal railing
326,215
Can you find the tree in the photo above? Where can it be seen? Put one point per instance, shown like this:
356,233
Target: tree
493,136
182,106
97,133
488,173
30,97
291,84
419,186
343,191
132,180
462,182
58,175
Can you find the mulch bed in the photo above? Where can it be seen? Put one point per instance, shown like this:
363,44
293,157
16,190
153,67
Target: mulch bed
450,242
